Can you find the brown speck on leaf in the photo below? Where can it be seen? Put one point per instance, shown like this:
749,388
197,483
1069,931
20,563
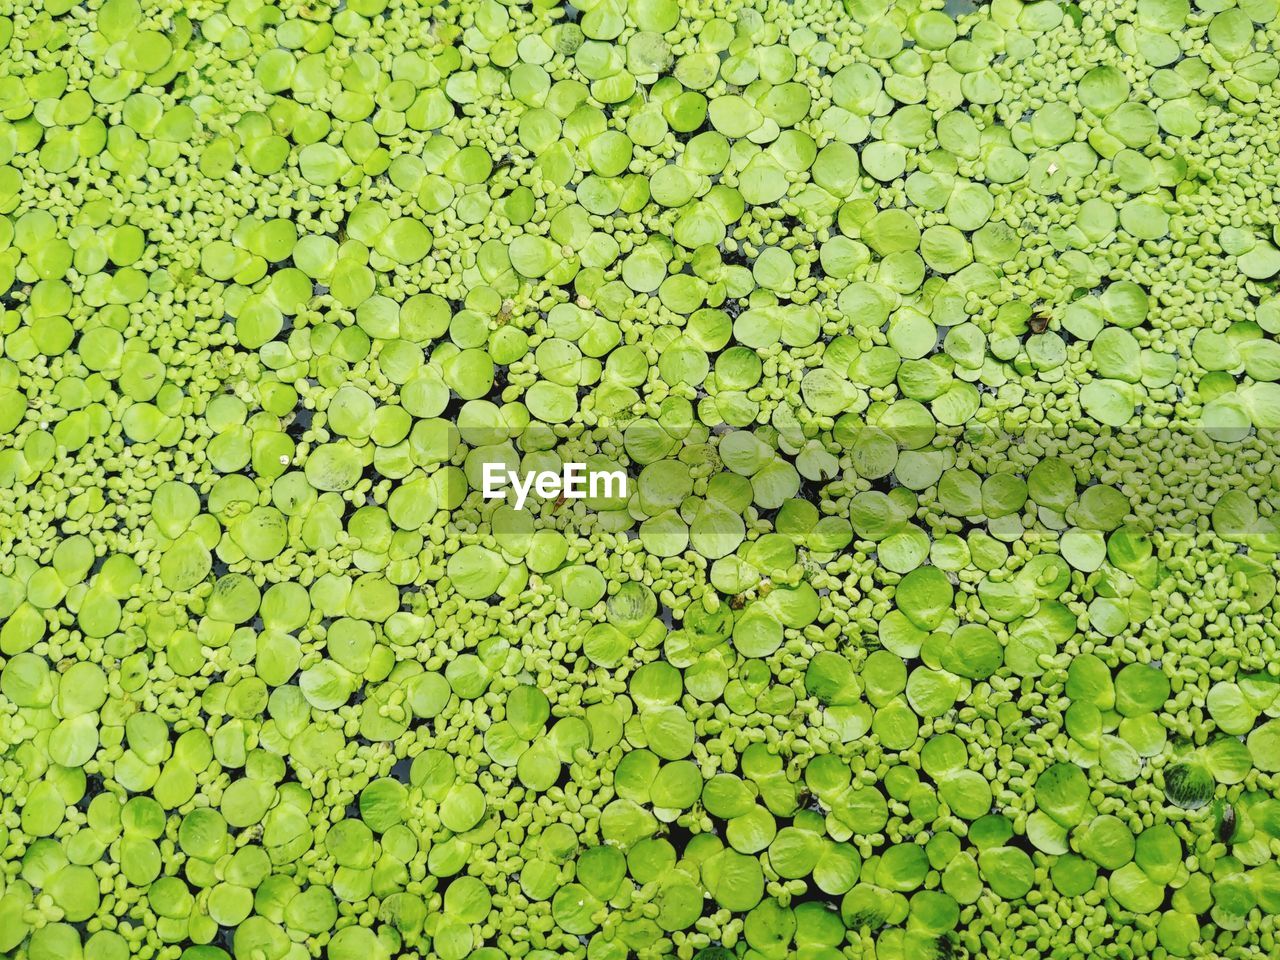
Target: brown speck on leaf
504,313
1039,321
1228,825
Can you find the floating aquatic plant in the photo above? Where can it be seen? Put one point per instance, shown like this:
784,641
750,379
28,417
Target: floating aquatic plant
937,345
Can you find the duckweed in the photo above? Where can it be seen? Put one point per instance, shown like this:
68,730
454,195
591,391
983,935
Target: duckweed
937,345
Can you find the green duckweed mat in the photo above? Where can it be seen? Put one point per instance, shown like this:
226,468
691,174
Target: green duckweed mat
933,614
